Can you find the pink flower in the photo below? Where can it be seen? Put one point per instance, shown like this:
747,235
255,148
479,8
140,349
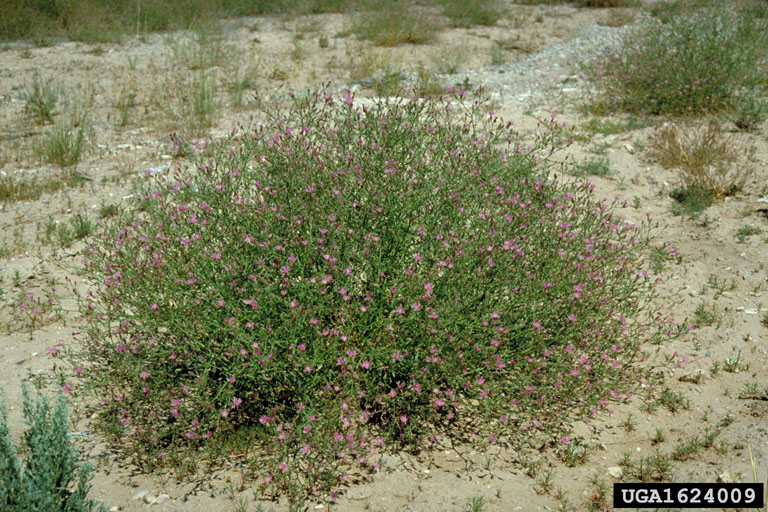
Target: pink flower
404,418
144,374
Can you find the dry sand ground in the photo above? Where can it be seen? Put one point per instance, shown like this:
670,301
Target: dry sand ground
287,52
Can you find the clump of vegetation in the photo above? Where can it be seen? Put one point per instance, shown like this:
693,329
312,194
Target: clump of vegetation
653,468
467,14
748,112
692,62
392,22
64,142
41,98
586,3
710,164
593,167
273,301
49,477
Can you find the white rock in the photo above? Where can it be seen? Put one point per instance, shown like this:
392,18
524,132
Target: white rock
139,495
615,472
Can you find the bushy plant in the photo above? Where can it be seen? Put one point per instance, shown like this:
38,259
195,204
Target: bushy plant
690,63
48,477
354,277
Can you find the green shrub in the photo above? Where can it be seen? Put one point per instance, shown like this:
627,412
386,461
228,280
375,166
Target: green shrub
48,478
350,276
692,63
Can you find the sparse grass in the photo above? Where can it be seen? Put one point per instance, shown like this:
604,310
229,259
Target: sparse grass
190,100
499,56
672,400
584,3
684,450
241,81
64,143
466,14
703,315
764,320
753,391
23,189
574,453
107,210
605,127
428,84
629,424
66,233
475,504
658,436
720,284
392,22
593,167
126,102
692,62
744,232
40,98
654,468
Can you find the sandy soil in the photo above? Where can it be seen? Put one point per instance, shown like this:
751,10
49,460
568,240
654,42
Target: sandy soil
287,52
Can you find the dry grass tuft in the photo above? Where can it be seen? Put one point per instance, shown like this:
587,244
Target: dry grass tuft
707,159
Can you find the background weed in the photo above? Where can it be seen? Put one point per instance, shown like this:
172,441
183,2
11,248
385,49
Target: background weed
690,62
41,98
392,22
744,232
466,14
748,112
593,167
711,164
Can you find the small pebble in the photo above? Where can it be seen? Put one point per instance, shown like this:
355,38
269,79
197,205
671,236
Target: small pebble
139,495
